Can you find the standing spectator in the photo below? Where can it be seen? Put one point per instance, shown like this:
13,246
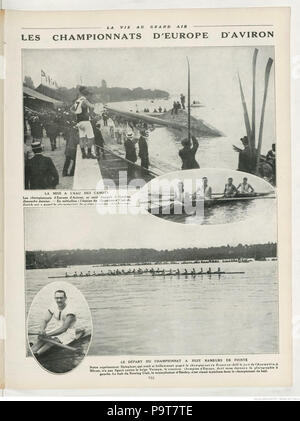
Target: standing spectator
143,149
36,129
52,132
104,118
40,171
182,100
99,141
70,152
130,154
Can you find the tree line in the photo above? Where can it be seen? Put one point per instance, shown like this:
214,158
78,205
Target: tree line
103,93
62,258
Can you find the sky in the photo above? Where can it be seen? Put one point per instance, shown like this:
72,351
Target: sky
214,77
84,228
153,68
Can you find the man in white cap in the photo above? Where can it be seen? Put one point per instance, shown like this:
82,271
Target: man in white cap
130,153
82,108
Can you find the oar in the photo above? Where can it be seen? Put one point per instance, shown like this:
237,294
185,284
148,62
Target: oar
252,140
246,115
189,100
53,342
261,128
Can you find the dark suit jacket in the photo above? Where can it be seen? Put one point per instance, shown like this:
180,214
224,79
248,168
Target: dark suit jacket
130,150
40,173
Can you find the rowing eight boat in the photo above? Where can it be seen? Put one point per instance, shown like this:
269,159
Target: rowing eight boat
146,273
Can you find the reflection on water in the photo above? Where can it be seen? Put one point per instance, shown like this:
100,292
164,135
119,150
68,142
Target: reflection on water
227,213
145,315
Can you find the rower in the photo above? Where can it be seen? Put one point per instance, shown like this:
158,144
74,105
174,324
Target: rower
66,275
209,271
219,270
230,189
245,188
201,271
82,108
205,191
64,317
75,274
193,271
81,274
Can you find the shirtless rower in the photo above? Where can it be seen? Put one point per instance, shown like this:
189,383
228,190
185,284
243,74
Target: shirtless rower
245,188
82,108
230,189
64,317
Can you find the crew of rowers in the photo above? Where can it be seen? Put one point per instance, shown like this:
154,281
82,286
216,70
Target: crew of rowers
153,272
205,191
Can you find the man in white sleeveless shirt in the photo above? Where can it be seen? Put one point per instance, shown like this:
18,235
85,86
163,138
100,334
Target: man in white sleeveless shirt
63,316
82,108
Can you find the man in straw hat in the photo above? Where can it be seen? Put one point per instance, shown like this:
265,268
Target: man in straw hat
130,153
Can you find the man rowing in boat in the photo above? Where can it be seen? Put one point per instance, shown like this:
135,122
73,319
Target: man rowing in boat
230,189
245,188
64,318
205,191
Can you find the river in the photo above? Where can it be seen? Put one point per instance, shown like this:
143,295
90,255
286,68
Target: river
145,315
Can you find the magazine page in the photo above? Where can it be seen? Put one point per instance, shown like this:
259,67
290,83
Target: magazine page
148,206
2,69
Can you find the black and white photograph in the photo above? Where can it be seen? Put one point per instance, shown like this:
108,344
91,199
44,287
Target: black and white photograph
59,326
159,291
207,196
105,118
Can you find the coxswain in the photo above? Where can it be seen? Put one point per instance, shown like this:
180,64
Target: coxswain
230,189
188,153
245,188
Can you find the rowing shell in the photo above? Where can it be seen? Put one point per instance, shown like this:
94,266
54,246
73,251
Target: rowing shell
62,359
171,207
142,273
190,273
